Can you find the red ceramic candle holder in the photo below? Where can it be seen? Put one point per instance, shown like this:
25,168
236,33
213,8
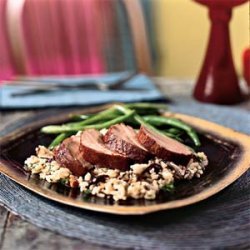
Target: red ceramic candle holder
218,81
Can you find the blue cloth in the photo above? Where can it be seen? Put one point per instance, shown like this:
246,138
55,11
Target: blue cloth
77,97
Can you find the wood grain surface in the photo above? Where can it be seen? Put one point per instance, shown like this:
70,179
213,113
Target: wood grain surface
20,234
16,233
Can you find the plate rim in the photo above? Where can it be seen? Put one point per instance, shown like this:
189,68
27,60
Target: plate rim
243,164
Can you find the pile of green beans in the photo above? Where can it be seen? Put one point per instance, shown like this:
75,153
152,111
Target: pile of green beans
175,123
137,114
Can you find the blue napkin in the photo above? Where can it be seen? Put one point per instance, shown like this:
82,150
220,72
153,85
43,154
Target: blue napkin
77,97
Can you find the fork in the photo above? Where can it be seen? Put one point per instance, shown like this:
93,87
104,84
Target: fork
39,87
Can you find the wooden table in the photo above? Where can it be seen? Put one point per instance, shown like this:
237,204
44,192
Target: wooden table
16,233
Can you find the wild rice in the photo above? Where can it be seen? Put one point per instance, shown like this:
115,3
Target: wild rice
140,181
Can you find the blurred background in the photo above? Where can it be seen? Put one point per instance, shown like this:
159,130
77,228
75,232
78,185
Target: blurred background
158,37
183,29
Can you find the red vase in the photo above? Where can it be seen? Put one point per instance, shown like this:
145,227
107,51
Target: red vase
246,66
218,81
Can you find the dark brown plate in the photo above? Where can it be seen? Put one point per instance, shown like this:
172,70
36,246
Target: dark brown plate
228,152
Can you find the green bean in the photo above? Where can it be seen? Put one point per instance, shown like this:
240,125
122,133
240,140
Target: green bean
139,107
174,131
79,117
152,121
94,118
146,105
160,120
114,121
193,135
137,118
176,137
99,116
129,113
59,139
74,126
141,121
54,129
144,108
103,115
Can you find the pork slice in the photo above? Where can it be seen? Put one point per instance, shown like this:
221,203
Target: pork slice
164,147
123,139
68,155
95,151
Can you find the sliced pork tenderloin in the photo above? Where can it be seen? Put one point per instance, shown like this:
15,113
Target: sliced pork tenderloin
164,147
95,151
123,139
68,155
